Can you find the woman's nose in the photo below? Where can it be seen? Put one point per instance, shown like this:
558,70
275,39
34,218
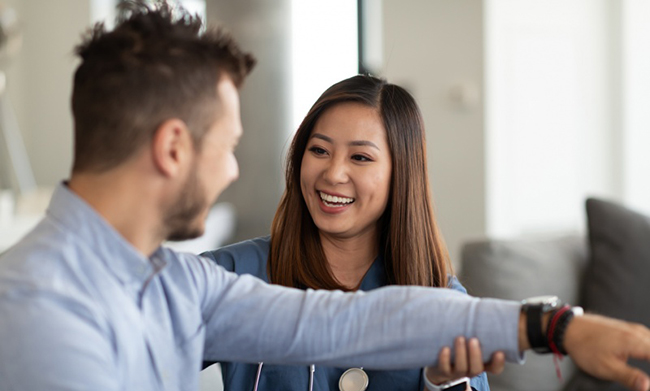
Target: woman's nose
336,172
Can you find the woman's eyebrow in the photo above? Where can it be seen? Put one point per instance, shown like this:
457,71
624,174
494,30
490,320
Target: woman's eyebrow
364,143
353,143
322,137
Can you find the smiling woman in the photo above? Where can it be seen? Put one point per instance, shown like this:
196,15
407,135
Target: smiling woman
393,215
345,181
345,173
356,214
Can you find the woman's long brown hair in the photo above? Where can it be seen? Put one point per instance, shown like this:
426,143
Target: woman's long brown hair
413,249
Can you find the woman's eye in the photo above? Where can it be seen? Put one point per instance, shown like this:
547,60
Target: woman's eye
361,158
318,150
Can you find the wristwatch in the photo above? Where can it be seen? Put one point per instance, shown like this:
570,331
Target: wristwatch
453,385
535,308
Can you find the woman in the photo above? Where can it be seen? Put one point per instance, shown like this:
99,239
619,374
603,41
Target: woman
356,214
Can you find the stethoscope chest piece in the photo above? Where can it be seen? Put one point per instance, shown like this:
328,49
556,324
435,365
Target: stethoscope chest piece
354,379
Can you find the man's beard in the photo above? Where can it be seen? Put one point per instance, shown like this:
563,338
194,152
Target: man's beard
181,222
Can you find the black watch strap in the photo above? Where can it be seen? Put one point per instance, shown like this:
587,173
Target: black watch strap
535,308
536,337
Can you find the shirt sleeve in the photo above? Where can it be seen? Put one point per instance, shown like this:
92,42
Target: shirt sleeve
247,257
248,320
222,258
480,382
52,342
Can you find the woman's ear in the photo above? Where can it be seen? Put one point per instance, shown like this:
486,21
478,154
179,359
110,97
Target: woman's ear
171,147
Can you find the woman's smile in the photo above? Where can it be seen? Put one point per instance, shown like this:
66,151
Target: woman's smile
336,202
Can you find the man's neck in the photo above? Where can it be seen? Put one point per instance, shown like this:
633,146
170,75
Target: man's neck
350,258
126,203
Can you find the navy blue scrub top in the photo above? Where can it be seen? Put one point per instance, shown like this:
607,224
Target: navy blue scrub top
250,257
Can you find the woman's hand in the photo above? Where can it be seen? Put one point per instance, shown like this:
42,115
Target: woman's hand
468,362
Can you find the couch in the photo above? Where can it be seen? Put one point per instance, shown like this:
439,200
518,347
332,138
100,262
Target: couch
606,271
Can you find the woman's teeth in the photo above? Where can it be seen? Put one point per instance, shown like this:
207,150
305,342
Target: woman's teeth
334,201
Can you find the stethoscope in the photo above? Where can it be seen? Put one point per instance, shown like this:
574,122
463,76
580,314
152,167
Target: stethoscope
354,379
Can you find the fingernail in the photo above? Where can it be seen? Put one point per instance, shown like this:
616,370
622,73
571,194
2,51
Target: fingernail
474,342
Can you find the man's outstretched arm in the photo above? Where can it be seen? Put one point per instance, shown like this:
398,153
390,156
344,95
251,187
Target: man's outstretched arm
397,327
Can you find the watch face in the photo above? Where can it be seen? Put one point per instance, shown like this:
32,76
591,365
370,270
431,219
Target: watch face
457,387
461,384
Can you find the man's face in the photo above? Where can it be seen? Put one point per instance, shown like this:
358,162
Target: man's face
213,170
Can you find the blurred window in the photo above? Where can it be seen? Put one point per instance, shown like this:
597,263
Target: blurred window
324,49
105,10
635,91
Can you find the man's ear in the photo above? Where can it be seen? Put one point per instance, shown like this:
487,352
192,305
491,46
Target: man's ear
171,147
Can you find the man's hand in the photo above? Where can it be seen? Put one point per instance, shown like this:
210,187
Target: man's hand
602,346
468,362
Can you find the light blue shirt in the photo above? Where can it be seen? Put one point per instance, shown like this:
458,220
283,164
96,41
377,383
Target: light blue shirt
81,309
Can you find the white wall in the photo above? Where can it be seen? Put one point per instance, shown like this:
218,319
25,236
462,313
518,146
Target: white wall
551,113
547,128
263,28
14,73
430,48
635,97
40,82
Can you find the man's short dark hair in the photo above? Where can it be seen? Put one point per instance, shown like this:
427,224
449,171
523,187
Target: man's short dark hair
156,64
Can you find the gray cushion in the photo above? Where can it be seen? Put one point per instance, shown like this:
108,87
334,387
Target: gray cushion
617,278
519,269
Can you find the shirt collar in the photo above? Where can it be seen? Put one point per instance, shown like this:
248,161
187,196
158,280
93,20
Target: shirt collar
101,239
375,276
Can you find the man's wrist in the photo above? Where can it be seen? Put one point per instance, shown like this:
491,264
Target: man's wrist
558,325
524,343
537,310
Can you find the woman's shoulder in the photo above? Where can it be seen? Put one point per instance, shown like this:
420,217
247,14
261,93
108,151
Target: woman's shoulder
247,257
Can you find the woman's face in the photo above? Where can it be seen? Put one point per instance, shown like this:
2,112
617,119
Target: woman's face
346,171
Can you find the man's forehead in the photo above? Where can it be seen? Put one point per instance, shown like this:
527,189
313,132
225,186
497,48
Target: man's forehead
229,107
226,88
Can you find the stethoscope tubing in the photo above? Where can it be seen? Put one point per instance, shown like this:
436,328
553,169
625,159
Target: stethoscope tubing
312,369
259,373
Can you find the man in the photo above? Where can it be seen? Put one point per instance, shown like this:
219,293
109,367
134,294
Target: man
90,301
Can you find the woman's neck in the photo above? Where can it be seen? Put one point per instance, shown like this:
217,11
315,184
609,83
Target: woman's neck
350,258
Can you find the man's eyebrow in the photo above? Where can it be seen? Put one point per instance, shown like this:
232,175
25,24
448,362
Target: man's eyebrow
353,143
